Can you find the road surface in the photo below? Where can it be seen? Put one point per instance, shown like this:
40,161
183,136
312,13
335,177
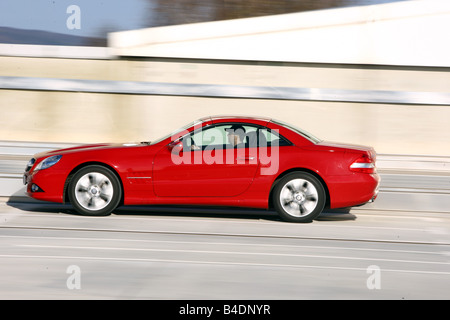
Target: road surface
49,252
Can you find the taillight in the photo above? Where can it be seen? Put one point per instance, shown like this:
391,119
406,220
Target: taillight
363,164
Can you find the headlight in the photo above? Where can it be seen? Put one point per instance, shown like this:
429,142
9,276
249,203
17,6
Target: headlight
48,162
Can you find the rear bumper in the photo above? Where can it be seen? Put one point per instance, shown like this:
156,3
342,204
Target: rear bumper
353,190
374,197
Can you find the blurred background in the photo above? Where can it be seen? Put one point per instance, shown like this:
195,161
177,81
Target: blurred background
36,22
372,72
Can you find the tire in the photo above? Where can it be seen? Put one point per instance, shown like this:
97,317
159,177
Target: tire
299,197
95,191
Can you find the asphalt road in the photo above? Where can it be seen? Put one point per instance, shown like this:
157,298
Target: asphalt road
49,252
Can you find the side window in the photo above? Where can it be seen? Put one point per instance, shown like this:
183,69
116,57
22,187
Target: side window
268,138
234,135
212,136
222,136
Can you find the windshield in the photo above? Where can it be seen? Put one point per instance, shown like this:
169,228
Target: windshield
301,132
174,133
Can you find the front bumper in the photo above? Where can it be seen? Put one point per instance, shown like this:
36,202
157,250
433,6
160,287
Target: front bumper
45,185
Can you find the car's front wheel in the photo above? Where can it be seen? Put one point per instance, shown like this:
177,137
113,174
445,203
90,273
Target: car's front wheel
299,197
94,191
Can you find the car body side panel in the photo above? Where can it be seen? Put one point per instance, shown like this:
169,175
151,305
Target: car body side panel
216,173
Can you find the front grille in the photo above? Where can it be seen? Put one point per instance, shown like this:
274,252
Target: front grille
30,165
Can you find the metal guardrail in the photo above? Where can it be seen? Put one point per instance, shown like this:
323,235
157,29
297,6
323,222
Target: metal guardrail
224,91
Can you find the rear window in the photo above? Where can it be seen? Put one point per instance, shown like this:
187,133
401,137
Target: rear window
301,132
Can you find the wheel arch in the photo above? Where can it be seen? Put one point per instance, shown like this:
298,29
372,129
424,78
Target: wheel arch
86,164
315,174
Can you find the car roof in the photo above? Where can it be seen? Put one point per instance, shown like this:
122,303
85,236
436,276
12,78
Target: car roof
231,117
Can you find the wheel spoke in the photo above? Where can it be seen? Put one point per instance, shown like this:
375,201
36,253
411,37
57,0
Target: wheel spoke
305,186
90,202
92,179
302,208
104,183
104,197
82,189
290,187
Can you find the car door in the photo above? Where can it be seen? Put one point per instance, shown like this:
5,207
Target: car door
205,164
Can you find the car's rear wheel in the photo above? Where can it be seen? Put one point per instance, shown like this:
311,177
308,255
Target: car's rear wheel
94,191
299,197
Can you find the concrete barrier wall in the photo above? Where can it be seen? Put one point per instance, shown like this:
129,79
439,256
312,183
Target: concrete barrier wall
404,126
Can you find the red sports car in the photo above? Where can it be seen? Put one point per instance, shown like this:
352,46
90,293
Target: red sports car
215,161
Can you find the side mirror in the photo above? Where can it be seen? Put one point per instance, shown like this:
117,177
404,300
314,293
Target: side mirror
176,147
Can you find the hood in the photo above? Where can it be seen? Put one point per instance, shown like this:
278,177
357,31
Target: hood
88,147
